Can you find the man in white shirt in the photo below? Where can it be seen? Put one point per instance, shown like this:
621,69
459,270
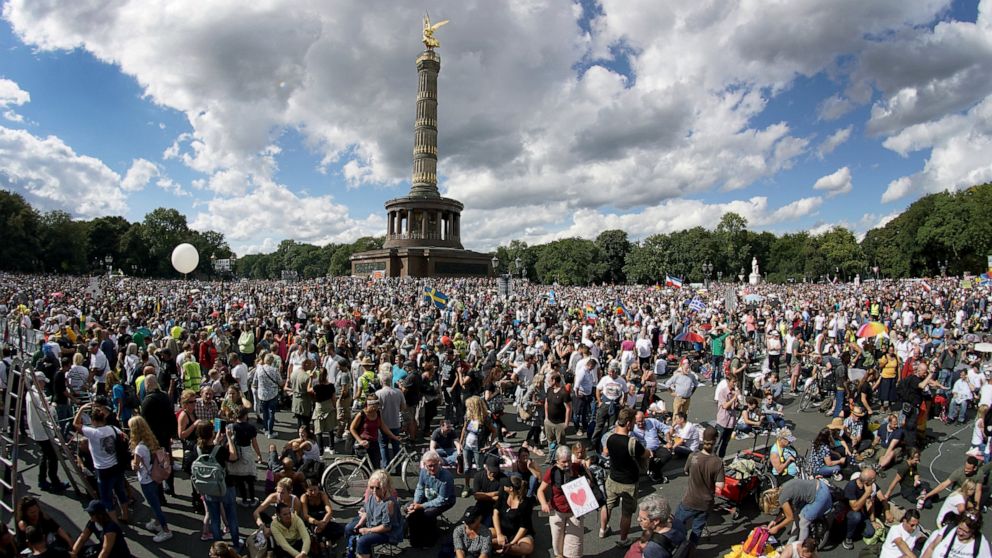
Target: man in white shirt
644,349
610,392
901,539
960,397
585,381
684,437
239,371
99,366
523,375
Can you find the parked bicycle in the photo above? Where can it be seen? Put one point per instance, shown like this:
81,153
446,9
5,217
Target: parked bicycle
346,478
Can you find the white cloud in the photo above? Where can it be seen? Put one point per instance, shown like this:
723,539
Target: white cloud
898,188
836,183
835,106
834,141
141,172
11,94
53,176
270,212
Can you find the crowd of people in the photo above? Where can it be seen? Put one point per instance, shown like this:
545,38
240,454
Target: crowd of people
600,383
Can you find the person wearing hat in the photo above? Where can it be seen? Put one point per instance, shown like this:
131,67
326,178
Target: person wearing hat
471,539
487,488
107,531
706,474
783,457
38,411
860,436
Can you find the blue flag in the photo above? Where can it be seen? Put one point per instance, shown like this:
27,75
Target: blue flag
437,297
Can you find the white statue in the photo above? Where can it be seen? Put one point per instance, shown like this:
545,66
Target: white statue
754,266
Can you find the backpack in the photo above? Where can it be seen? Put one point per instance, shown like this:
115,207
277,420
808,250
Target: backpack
121,449
756,541
130,397
208,476
682,550
642,462
161,465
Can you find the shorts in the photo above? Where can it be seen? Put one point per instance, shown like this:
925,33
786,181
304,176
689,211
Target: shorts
623,494
407,417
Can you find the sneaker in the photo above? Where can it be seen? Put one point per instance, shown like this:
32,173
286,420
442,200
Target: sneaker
838,477
153,526
45,485
329,451
206,537
848,544
162,536
603,533
464,493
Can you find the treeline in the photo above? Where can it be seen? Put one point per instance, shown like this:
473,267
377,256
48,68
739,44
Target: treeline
955,228
948,227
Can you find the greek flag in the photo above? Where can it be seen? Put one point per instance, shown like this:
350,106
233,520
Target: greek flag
697,305
437,297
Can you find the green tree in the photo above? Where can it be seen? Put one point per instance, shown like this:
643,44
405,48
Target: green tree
20,223
340,261
63,244
732,250
104,236
646,260
569,261
613,248
163,229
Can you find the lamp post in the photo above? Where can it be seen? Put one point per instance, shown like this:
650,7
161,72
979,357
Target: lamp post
520,266
719,276
707,271
740,275
495,262
109,260
836,273
875,269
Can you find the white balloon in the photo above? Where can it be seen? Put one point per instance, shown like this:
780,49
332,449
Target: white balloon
185,258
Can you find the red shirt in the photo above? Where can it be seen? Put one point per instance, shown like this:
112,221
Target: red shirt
558,500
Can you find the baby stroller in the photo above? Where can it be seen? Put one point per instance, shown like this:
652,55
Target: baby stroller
747,476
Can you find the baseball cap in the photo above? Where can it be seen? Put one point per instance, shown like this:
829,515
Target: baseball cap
95,506
492,464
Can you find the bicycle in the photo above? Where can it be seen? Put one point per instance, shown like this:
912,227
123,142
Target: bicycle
346,478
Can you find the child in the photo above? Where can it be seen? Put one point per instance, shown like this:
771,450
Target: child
773,412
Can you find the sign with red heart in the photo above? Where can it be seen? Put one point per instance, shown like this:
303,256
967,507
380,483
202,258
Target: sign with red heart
580,497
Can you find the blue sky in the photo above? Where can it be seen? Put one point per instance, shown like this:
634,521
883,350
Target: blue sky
295,121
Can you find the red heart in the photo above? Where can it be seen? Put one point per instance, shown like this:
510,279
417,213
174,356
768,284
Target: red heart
578,497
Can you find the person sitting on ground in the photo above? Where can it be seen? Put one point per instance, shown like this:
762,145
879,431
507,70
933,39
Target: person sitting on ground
221,549
797,549
434,495
444,441
970,470
957,503
30,514
772,412
292,540
378,520
911,485
962,538
860,496
107,531
901,539
472,539
823,461
890,440
750,422
783,457
318,515
685,437
513,528
284,496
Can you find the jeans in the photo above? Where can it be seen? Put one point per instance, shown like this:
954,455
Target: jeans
49,464
694,521
954,408
111,481
269,409
838,404
828,470
230,509
449,457
817,509
717,369
855,522
774,421
150,490
388,448
365,542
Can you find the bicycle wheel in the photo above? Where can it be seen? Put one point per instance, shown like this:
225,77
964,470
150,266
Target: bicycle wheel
345,482
806,400
410,474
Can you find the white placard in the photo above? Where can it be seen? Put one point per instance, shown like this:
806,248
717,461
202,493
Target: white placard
580,497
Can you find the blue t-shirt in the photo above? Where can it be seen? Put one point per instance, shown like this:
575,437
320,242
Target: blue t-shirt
398,374
662,545
118,397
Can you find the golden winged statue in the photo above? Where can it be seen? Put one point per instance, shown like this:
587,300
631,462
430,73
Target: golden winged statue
429,40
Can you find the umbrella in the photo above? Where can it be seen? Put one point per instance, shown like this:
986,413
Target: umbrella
707,326
972,338
690,337
984,347
753,298
871,329
343,324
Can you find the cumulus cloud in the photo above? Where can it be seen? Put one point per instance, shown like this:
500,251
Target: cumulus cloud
536,121
141,172
839,182
270,212
834,141
51,175
11,95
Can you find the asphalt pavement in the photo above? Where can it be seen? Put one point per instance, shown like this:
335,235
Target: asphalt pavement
939,459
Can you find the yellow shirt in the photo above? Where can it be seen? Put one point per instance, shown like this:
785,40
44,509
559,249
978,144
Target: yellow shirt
285,535
889,365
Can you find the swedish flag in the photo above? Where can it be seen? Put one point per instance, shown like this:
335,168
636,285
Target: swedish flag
437,297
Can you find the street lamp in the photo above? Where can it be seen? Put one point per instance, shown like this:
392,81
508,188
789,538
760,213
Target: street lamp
109,260
707,270
495,262
836,273
875,269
